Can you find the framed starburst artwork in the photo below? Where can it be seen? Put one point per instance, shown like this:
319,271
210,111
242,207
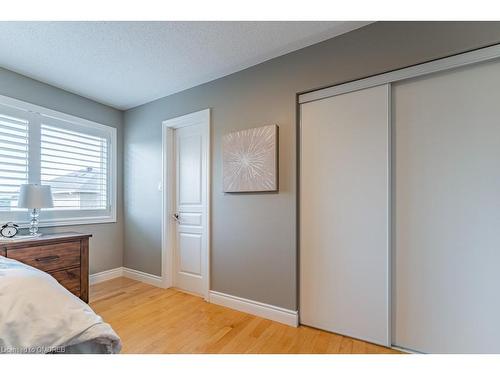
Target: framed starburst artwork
250,160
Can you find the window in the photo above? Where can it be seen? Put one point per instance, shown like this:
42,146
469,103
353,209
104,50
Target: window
74,165
13,157
76,157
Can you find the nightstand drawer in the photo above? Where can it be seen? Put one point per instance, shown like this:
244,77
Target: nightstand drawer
49,257
70,279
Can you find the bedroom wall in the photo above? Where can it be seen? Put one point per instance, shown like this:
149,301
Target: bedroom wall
253,238
106,245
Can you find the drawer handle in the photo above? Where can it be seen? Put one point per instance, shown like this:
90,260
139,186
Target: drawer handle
71,275
49,258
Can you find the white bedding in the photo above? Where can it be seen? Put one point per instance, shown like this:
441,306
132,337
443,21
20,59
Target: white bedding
37,315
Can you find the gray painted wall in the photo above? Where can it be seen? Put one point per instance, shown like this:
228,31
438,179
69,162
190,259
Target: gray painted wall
254,251
106,246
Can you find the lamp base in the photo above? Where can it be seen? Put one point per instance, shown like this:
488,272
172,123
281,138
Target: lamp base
35,212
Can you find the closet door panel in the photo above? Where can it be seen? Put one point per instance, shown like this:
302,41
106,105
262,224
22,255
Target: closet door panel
447,211
344,214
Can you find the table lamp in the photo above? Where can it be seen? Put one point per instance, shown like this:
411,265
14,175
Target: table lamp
35,197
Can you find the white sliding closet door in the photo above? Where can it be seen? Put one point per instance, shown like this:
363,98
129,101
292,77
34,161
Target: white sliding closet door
447,211
344,214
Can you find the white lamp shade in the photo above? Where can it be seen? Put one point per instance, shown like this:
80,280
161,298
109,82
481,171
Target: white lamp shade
35,196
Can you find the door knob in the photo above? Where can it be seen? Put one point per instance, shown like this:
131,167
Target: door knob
176,217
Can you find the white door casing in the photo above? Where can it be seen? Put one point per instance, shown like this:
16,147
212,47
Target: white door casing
186,196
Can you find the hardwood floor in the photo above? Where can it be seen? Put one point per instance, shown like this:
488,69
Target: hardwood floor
154,320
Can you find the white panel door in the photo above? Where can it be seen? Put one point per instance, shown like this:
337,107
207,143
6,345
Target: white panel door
447,211
344,184
190,254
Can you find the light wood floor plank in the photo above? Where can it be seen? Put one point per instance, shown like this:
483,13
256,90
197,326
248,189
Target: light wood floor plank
154,320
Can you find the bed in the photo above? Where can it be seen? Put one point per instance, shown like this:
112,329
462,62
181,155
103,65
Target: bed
38,315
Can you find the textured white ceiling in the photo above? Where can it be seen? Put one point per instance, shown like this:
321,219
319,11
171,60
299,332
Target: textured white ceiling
125,64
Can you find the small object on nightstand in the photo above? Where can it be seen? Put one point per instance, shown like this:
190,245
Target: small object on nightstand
9,230
34,197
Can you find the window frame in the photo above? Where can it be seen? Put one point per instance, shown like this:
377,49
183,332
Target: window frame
65,217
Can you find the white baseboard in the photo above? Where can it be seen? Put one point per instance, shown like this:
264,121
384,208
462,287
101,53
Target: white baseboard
99,277
263,310
143,277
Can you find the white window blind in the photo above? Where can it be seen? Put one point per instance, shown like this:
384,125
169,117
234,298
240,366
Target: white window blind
76,157
13,158
75,166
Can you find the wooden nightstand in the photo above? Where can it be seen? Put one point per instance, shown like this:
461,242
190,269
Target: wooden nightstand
65,256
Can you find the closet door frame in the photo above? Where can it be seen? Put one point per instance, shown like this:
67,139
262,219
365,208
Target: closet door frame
439,65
